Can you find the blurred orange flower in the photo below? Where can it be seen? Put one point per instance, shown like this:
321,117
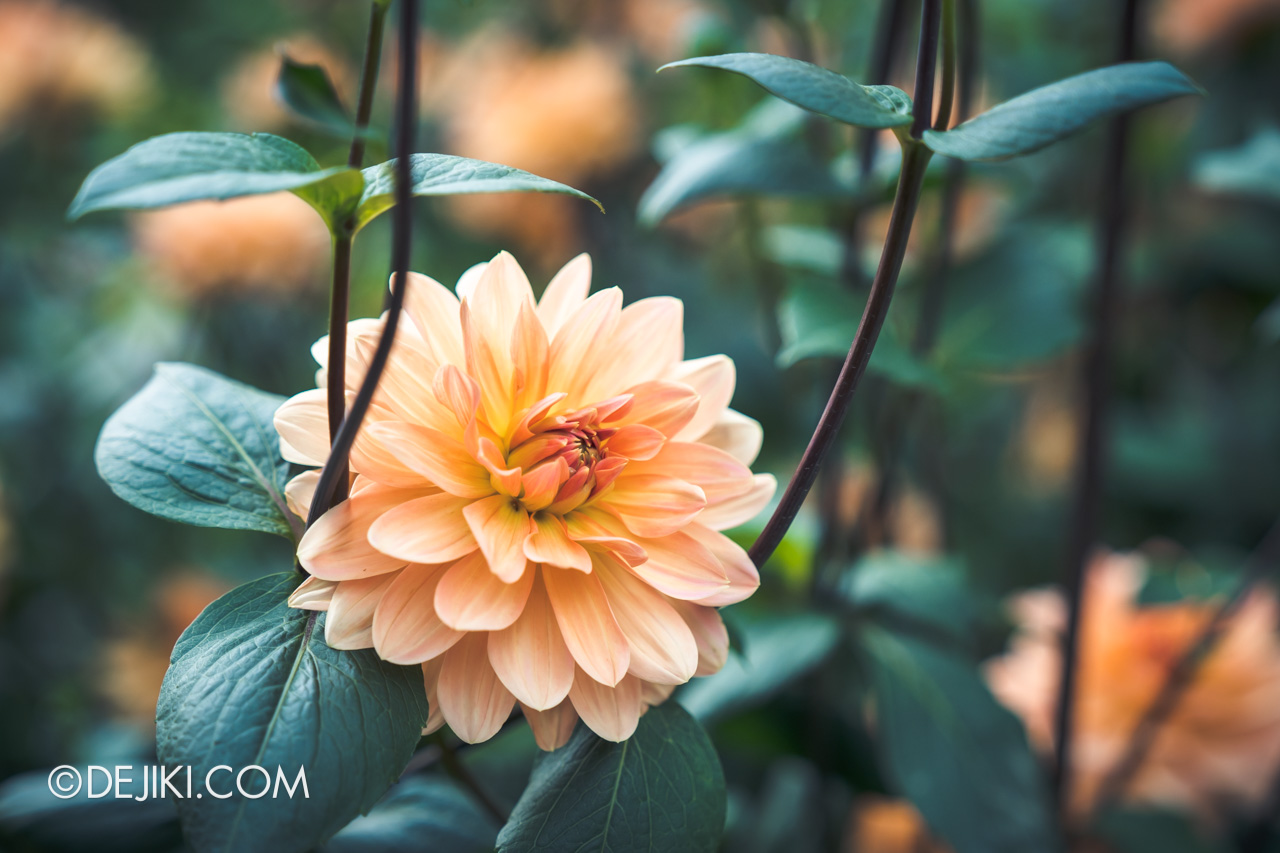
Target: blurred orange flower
266,243
536,506
1189,26
249,91
886,825
56,57
1221,746
567,114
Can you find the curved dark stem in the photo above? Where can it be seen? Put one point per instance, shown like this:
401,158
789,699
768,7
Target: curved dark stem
926,65
1262,563
368,83
334,474
1092,450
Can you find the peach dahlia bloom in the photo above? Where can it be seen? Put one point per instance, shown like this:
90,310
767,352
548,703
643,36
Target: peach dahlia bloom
536,502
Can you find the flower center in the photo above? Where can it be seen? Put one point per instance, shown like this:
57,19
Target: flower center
564,459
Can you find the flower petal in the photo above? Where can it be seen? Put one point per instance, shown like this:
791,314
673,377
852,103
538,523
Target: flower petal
406,629
551,728
529,355
338,547
549,542
565,294
663,649
299,491
709,632
431,529
303,424
713,379
648,341
682,567
744,578
740,510
439,458
611,712
531,657
587,624
652,505
431,680
470,597
737,435
500,525
711,469
472,698
433,310
582,343
636,441
666,406
313,594
349,625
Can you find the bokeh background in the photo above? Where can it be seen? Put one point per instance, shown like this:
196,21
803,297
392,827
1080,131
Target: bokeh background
93,593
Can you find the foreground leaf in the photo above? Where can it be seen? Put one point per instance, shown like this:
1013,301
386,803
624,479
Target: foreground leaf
1046,115
762,157
180,167
814,88
773,654
252,683
957,754
927,593
419,812
662,789
196,447
445,174
308,91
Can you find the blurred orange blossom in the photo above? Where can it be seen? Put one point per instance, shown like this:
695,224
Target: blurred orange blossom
272,243
537,497
1221,745
249,91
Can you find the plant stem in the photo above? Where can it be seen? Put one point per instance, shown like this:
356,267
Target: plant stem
949,65
1093,444
340,290
334,474
915,160
1182,674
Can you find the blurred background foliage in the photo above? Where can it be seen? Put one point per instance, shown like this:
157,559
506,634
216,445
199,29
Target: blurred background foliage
738,206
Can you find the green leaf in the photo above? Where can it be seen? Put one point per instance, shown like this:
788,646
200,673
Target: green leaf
774,653
662,789
758,158
925,592
1154,831
445,174
1251,170
956,753
416,810
252,683
814,88
308,91
196,447
820,320
1046,115
180,167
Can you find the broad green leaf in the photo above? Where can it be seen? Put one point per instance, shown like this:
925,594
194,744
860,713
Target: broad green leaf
445,174
773,654
196,447
926,593
1253,169
308,91
1046,115
662,789
755,159
419,812
814,88
180,167
252,683
1154,831
819,321
32,818
956,753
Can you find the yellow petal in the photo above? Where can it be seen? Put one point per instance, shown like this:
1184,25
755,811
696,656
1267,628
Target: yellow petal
440,458
549,543
500,526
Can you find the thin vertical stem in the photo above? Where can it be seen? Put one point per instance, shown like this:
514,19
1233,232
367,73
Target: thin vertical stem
340,291
334,474
1112,223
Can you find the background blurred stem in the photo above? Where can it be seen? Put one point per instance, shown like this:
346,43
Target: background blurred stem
1114,784
334,474
1092,448
340,292
915,160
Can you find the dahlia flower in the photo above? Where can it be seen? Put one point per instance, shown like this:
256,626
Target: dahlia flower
1221,745
536,501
